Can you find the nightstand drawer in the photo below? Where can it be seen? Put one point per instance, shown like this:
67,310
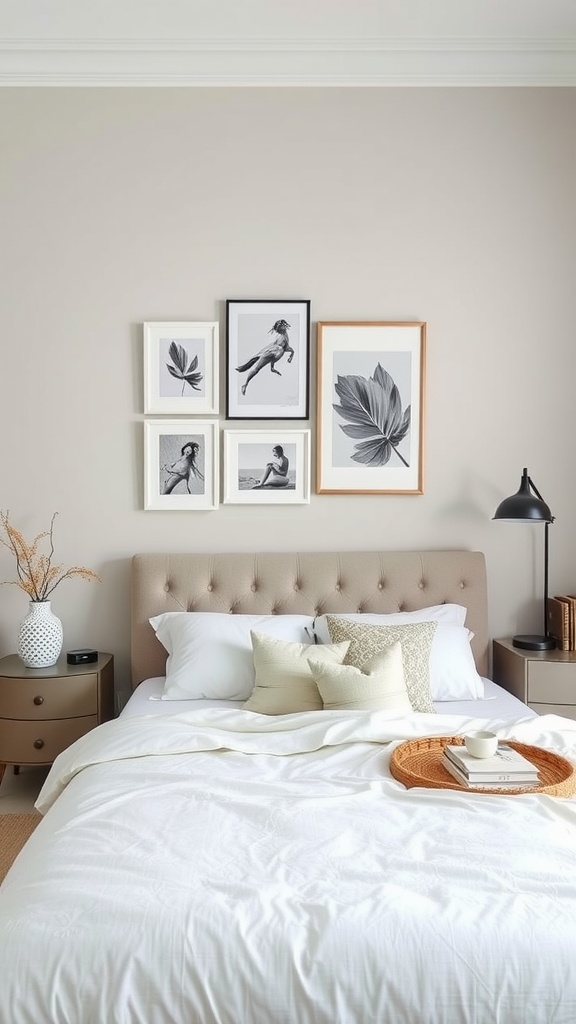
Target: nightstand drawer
566,710
40,742
551,683
45,698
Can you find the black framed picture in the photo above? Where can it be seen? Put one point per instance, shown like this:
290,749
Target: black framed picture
267,359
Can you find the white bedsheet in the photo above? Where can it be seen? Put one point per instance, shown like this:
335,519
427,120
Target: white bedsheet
497,703
221,866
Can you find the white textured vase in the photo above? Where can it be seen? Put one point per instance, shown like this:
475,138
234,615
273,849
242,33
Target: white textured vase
40,636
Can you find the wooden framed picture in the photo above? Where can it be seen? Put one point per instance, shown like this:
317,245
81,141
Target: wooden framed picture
267,467
267,359
181,465
371,390
181,368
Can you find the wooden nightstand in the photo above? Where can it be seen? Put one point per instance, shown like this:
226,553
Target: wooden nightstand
545,680
43,710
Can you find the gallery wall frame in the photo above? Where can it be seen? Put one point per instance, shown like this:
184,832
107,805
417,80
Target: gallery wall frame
371,406
267,359
181,368
267,467
181,465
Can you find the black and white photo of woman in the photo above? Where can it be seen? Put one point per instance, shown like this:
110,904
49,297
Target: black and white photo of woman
268,363
276,472
184,472
261,468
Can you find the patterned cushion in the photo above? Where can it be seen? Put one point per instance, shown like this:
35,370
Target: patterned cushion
377,686
416,642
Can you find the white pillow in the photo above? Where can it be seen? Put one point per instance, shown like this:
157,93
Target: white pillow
284,680
453,613
453,674
210,653
378,686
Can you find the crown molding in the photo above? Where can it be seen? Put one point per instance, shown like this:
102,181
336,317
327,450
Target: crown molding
287,62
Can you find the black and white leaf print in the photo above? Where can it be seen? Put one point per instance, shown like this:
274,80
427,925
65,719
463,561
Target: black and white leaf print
373,408
181,369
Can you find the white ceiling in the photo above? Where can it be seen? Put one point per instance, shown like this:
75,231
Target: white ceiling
273,42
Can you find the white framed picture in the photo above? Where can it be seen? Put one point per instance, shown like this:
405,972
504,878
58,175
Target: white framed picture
181,363
267,467
181,465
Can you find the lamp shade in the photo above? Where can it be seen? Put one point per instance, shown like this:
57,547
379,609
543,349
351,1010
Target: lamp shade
525,506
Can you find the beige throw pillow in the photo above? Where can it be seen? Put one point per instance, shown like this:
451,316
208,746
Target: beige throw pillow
284,680
378,686
416,642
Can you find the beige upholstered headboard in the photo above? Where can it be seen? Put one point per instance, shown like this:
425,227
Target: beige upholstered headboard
307,583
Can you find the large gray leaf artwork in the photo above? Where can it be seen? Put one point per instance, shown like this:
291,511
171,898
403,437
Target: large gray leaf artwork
373,408
181,369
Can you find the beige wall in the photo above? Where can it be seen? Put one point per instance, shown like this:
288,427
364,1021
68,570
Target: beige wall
456,207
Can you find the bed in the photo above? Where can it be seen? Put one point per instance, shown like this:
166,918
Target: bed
205,861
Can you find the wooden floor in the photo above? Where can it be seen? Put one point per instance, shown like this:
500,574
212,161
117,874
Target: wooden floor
18,792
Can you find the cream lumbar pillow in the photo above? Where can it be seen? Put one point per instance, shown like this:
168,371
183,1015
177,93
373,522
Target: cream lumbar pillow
378,686
284,681
415,640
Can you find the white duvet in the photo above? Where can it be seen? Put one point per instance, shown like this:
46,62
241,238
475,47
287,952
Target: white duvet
222,866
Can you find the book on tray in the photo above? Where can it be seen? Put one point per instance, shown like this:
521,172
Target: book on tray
507,768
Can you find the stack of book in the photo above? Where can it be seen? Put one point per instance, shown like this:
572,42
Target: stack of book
561,613
506,769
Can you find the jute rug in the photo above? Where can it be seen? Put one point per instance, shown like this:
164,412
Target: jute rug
15,829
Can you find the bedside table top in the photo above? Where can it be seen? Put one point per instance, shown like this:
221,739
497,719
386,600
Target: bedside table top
13,666
555,655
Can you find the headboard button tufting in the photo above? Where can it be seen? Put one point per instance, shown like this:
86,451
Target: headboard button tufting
331,581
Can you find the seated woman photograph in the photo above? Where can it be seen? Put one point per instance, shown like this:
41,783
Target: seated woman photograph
276,472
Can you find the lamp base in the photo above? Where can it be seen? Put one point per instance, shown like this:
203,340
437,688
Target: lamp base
534,643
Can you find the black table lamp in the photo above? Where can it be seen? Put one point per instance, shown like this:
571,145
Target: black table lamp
528,506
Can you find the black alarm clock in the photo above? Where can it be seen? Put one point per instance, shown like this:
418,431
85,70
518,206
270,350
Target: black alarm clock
82,656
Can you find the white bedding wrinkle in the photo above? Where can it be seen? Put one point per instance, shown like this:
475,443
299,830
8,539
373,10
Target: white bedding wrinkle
277,736
213,867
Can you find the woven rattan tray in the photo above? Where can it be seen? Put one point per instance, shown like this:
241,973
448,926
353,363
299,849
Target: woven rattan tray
419,763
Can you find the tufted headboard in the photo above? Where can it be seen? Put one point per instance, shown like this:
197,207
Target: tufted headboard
307,583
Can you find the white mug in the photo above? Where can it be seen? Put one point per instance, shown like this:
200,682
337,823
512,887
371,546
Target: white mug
481,744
